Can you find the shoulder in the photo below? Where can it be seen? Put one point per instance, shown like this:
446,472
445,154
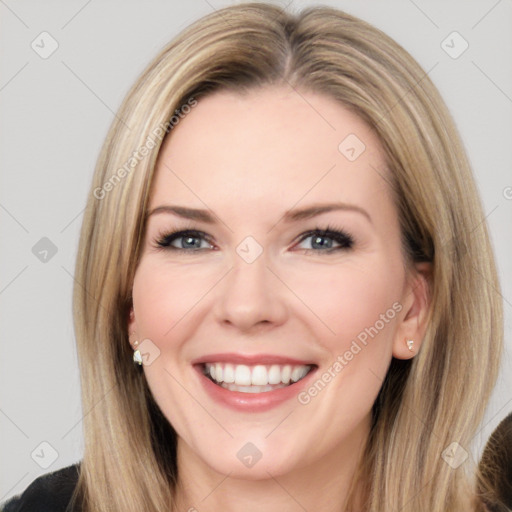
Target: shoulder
48,493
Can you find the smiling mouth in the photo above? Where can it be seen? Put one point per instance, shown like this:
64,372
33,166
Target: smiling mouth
255,378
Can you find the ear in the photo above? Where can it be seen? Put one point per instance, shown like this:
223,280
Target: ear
416,303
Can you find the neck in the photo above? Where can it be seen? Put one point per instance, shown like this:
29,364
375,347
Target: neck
326,484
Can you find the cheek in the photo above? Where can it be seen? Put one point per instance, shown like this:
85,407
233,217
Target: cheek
163,295
351,301
360,305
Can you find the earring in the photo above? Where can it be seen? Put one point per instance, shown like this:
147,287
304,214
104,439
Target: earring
137,356
410,345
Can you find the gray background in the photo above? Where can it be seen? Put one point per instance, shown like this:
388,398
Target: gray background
55,115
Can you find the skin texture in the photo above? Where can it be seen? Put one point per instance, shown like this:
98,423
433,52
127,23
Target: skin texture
248,159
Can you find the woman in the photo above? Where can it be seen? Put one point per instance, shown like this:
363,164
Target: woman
286,293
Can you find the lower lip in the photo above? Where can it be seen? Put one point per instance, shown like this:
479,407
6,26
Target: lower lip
252,402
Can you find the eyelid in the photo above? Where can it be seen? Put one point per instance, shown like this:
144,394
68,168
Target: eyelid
177,234
339,235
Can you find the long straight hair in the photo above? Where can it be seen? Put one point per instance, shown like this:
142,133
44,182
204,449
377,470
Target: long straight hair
425,405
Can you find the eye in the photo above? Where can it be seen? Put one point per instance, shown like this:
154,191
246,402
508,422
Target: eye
188,240
326,240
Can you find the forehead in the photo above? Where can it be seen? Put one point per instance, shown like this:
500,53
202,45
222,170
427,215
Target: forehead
267,148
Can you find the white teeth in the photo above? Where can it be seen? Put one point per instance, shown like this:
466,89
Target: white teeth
274,374
299,372
259,378
229,373
251,389
242,375
218,372
296,372
286,373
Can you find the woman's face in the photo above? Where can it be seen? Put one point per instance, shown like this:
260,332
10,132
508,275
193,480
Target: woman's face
255,293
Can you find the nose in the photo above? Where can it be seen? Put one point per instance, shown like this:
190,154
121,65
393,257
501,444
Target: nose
251,296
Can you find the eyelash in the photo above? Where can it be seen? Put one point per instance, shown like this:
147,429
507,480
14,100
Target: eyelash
339,236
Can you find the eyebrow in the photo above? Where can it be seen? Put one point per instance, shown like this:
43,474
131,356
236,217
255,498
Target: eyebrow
288,217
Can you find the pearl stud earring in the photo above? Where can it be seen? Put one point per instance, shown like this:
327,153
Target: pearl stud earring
137,356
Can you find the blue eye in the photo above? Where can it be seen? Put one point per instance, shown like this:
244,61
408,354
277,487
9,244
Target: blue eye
189,240
322,240
327,240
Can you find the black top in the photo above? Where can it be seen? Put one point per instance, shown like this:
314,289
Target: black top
49,493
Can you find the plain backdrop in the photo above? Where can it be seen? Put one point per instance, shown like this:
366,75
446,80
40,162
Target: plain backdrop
56,109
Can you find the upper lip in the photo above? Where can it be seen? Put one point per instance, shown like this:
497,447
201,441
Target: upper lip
250,359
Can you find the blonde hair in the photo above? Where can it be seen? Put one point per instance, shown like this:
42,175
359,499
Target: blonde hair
129,461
